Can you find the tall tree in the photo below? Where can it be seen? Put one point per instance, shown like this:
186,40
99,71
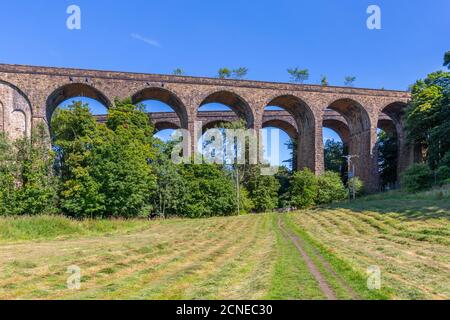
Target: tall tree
387,158
298,75
447,59
428,115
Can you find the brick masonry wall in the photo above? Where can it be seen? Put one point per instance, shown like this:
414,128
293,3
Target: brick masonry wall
36,91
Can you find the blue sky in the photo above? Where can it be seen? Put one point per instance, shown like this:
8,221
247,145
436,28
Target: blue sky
326,36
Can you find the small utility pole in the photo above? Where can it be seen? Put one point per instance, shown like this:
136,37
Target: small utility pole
351,169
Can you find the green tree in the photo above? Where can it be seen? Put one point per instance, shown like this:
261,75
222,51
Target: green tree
417,177
334,156
349,81
428,115
178,72
263,190
170,186
298,75
447,59
104,168
324,81
304,188
224,73
8,171
330,188
387,158
240,73
209,191
37,187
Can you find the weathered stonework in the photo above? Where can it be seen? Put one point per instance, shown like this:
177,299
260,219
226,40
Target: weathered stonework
29,95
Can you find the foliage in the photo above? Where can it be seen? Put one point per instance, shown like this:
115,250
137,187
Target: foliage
417,177
263,190
304,188
104,169
239,73
428,115
178,72
224,73
447,59
387,158
7,177
442,175
356,184
324,81
349,81
334,156
330,188
209,191
298,75
27,182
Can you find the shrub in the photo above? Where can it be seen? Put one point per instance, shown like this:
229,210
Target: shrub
417,177
356,183
263,190
330,188
442,175
304,187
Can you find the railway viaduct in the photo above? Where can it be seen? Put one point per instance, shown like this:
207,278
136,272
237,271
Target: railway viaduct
29,95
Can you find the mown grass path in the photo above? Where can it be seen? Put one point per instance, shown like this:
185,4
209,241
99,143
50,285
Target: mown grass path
312,254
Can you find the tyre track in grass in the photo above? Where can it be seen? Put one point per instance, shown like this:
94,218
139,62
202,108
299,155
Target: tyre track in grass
323,283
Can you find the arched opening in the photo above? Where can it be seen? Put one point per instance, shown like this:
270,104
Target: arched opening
165,109
294,116
392,153
218,106
68,94
283,153
15,112
359,137
334,151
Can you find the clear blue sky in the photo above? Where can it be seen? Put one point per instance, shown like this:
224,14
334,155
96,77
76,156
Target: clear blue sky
326,36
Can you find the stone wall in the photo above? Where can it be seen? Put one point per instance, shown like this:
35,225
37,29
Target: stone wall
29,95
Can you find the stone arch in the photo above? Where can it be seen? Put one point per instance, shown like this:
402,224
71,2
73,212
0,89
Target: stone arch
72,90
287,127
19,124
306,124
213,124
15,111
391,120
164,125
360,142
340,127
233,101
167,97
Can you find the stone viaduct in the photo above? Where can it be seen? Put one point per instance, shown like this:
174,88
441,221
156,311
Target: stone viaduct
29,95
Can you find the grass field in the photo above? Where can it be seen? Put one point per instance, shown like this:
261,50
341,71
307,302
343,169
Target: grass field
314,254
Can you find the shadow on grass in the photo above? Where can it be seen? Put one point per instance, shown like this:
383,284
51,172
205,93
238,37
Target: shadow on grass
433,204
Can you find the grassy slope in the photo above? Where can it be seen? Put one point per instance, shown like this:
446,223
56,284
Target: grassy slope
236,257
408,237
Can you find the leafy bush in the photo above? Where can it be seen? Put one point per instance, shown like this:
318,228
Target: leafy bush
330,188
442,175
356,183
417,177
209,191
304,188
263,190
